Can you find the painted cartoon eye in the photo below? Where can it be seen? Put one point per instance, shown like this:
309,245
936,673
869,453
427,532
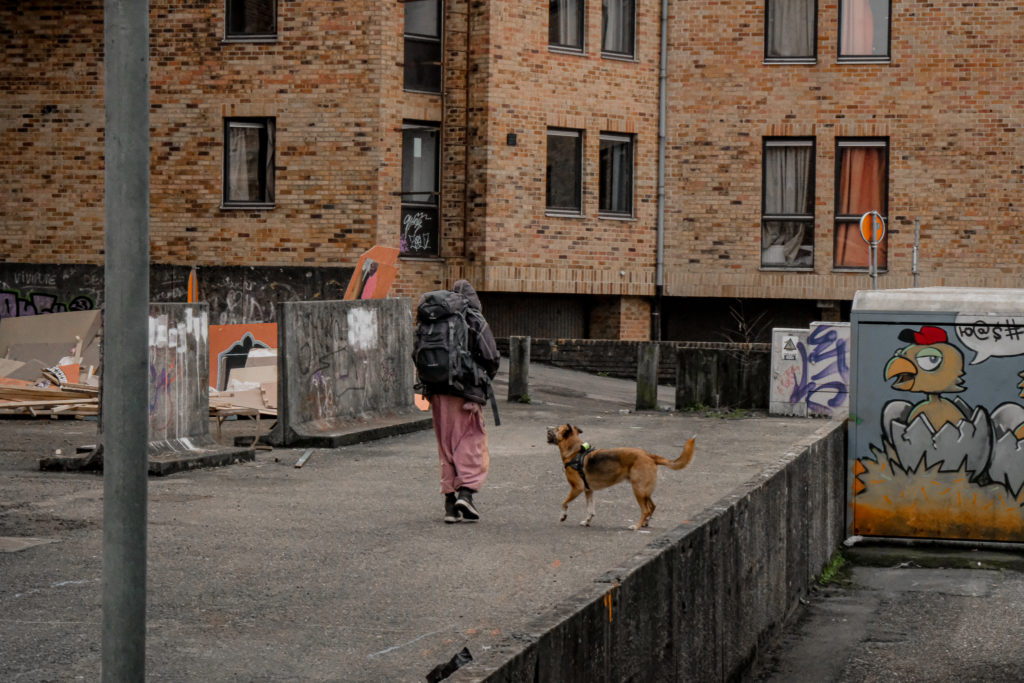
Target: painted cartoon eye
929,359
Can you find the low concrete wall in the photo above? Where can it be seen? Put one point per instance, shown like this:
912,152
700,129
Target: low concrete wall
178,398
712,374
345,372
697,603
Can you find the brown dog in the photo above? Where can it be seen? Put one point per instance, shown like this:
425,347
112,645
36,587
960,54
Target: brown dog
590,470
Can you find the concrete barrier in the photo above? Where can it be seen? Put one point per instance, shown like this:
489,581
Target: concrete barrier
698,602
345,373
178,399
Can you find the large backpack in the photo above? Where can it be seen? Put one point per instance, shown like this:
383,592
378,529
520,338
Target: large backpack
441,352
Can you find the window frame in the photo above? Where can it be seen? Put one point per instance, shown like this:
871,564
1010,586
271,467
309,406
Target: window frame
564,210
614,54
423,39
432,206
581,20
805,59
863,59
630,141
265,37
267,162
860,142
808,218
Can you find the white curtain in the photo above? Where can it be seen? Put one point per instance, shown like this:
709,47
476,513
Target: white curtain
565,26
787,189
268,163
616,176
790,28
244,148
250,162
617,26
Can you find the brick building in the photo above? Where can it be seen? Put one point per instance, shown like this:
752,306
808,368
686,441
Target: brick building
517,144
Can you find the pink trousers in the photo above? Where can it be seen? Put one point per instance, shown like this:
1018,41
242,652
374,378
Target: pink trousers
461,442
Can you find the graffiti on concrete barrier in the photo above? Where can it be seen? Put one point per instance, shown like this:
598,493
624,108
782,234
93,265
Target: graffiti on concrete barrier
334,361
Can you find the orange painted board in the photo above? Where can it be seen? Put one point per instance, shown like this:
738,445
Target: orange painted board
223,337
375,272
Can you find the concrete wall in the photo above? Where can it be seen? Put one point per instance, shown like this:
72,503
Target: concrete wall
713,374
696,603
339,363
235,294
178,399
179,365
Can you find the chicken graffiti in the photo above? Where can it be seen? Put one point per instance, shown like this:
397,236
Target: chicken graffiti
946,464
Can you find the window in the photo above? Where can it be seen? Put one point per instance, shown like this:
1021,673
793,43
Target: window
861,186
863,30
565,27
616,194
423,45
565,170
247,19
249,162
420,189
618,21
790,32
787,203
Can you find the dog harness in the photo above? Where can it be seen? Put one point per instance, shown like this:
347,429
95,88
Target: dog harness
577,463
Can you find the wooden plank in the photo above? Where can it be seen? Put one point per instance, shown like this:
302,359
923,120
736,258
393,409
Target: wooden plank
38,394
50,403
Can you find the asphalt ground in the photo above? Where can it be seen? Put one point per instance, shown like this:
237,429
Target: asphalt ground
343,570
912,614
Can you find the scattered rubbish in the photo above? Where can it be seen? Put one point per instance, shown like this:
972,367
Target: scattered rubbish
304,458
49,365
443,671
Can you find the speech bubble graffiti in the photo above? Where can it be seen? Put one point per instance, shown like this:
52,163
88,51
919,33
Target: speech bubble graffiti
991,335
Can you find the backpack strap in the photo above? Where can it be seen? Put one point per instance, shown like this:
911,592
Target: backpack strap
494,402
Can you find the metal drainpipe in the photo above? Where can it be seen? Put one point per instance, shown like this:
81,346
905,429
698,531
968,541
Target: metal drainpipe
659,288
466,145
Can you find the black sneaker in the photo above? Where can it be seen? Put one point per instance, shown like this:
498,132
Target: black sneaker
451,513
464,504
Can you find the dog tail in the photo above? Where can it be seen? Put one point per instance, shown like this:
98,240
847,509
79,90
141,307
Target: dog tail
682,461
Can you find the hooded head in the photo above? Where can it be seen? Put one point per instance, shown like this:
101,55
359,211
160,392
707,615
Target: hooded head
465,289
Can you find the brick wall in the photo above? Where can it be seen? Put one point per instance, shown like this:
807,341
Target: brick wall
948,101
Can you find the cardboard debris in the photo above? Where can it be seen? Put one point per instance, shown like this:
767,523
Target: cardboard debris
41,364
262,398
49,366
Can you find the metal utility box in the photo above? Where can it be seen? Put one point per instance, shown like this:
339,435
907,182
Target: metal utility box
937,414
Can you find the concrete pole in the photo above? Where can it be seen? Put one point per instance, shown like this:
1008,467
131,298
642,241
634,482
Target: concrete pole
518,368
125,338
647,376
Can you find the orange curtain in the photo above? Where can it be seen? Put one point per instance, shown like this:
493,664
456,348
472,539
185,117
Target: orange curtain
862,175
858,28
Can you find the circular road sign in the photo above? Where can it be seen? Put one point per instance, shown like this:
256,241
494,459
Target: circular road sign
872,227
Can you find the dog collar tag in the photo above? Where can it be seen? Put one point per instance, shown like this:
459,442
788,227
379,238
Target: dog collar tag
586,446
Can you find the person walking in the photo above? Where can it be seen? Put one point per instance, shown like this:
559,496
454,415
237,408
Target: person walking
457,396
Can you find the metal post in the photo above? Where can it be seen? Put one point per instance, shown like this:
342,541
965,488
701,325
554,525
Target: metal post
125,338
917,242
874,265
